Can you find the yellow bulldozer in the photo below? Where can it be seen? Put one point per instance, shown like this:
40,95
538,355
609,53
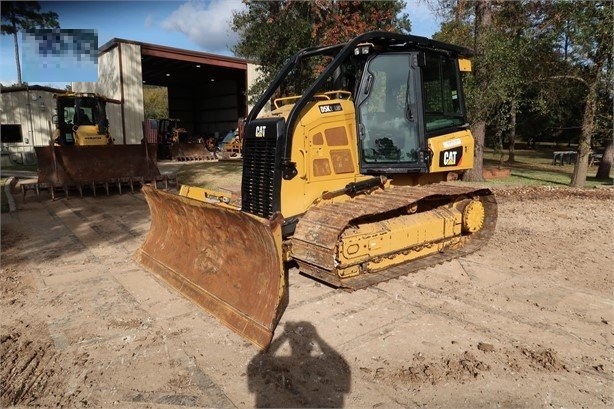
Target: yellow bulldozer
82,154
81,120
346,178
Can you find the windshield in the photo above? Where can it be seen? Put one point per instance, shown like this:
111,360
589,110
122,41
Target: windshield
442,102
389,132
80,111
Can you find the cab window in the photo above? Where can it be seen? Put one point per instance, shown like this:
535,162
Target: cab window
442,102
389,132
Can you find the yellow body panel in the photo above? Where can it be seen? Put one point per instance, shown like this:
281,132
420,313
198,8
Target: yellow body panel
325,150
86,135
452,152
207,195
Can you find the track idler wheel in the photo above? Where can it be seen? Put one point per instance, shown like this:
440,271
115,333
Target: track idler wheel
473,216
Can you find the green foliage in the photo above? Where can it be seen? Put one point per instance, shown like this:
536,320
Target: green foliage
273,31
504,60
547,63
25,15
155,102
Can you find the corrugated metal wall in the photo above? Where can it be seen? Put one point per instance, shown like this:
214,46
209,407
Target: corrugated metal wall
124,84
132,79
33,110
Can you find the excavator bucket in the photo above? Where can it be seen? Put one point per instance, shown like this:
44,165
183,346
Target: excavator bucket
226,261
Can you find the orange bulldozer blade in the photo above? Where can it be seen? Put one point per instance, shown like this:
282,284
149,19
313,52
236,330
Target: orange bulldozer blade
226,261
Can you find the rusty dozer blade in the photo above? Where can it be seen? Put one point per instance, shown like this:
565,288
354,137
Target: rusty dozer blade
226,261
183,151
77,165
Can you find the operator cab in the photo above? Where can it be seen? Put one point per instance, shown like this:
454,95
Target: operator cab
401,101
75,110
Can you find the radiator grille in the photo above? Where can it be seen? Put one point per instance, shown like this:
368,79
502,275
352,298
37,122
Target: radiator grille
260,178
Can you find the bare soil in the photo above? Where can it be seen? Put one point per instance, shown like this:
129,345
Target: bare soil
525,322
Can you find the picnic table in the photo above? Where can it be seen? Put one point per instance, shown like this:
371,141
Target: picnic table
562,157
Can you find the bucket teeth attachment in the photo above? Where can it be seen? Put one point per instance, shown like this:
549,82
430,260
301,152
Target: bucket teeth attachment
77,166
226,261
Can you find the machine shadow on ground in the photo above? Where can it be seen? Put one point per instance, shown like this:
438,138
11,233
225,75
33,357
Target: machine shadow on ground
299,370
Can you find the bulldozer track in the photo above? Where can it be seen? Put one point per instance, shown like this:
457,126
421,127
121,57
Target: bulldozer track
315,239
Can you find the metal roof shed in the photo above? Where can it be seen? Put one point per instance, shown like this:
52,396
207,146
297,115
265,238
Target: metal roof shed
26,113
207,92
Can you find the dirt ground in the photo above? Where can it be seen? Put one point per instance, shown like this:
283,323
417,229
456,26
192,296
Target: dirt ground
526,322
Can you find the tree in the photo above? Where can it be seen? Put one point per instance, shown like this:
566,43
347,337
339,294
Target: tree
272,31
605,121
335,22
506,49
470,24
527,54
589,37
155,102
24,15
605,166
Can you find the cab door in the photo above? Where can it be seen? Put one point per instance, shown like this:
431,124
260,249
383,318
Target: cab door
389,123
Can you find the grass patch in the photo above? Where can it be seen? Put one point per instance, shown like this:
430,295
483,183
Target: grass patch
212,175
534,167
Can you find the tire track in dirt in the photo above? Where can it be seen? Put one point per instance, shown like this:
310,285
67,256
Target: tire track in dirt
33,371
26,371
92,226
86,229
520,348
511,316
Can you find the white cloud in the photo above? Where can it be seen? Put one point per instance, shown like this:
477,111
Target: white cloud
149,21
206,23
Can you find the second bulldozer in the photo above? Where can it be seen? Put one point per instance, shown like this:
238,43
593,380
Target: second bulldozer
346,177
82,152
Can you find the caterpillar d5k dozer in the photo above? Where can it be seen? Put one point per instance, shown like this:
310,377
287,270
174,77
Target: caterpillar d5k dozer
83,153
348,179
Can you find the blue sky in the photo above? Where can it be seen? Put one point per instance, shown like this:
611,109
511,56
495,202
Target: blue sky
195,25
